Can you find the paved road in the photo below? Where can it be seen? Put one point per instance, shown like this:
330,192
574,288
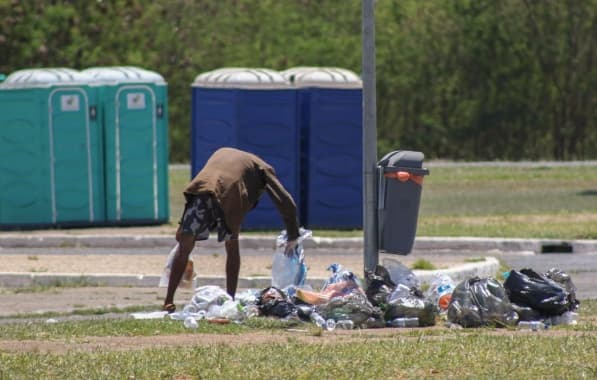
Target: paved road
582,267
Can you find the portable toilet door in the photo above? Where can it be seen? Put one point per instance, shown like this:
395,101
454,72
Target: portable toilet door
50,150
252,109
133,103
330,100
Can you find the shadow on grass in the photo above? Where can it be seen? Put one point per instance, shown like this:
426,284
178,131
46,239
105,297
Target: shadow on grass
589,193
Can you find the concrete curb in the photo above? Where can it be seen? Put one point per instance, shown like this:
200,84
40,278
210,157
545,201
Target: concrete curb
256,242
487,268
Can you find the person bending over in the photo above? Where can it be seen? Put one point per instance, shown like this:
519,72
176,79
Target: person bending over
218,199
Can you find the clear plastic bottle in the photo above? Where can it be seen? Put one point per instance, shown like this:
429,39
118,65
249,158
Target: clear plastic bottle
532,325
568,318
318,320
404,322
190,323
345,324
330,325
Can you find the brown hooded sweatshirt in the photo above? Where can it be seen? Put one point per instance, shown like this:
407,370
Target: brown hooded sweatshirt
237,179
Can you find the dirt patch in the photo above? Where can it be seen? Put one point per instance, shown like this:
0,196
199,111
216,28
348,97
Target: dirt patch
306,336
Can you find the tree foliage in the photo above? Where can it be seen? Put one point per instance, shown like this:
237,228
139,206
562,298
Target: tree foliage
460,79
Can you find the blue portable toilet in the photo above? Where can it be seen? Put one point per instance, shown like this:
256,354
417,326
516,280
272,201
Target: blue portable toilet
133,107
254,110
330,102
51,170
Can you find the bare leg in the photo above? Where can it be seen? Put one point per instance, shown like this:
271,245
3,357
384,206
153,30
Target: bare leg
232,266
179,263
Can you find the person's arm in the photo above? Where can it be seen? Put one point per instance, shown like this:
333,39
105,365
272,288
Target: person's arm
232,265
284,203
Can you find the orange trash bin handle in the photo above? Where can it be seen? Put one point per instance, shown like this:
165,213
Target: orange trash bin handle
405,176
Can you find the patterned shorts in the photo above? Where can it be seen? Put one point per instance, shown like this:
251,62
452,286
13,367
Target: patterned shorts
201,216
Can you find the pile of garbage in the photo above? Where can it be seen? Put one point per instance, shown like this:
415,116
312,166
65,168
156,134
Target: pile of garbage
392,297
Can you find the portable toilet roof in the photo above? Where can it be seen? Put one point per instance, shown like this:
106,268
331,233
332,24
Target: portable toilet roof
241,77
123,74
46,77
326,77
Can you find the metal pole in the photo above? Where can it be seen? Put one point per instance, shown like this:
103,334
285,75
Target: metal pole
371,252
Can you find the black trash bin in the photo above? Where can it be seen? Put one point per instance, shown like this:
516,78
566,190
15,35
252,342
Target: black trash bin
400,181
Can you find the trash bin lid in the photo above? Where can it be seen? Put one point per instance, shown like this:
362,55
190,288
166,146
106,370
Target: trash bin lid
241,77
324,77
404,160
122,74
46,77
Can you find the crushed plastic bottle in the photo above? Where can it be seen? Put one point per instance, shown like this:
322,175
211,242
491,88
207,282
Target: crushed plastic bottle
345,324
318,320
532,325
190,323
568,318
404,322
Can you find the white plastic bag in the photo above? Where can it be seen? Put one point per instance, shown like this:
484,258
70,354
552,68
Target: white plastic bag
206,296
188,277
289,270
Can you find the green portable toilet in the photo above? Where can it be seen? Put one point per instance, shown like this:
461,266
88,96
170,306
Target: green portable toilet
133,109
50,150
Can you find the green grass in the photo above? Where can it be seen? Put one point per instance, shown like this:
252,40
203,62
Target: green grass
562,352
556,202
423,264
527,202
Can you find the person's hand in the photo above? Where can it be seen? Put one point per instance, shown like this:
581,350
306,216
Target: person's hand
289,247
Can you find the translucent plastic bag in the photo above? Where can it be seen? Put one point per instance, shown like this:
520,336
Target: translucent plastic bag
401,274
188,277
354,307
289,270
479,302
206,296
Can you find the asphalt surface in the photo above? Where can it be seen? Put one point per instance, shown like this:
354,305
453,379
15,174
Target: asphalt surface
581,266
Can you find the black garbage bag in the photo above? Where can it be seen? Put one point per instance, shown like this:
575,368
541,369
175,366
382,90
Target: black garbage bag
274,302
526,313
529,288
565,280
480,302
379,286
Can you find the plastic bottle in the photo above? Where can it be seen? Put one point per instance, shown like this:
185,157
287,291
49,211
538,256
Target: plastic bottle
442,287
317,319
345,324
404,322
532,325
190,323
330,325
568,318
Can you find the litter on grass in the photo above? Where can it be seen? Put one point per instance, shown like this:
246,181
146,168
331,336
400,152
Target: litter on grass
390,297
